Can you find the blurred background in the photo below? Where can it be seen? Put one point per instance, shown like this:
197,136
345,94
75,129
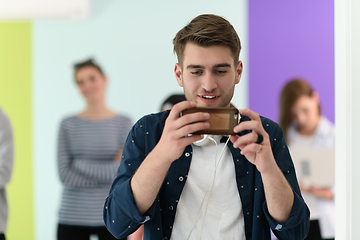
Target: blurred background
40,40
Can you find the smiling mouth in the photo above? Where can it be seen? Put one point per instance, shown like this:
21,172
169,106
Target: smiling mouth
208,97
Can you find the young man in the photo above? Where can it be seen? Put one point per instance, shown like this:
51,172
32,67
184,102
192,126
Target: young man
180,189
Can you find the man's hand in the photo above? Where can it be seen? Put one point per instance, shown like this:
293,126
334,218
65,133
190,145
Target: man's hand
175,136
170,147
258,154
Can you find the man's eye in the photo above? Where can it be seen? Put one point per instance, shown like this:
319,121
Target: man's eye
196,72
221,72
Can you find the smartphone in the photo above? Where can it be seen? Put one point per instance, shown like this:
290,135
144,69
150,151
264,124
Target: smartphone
222,120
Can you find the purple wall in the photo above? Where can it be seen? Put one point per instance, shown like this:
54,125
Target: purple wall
290,39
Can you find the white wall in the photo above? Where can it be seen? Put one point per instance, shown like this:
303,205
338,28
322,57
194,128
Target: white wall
36,9
132,41
347,111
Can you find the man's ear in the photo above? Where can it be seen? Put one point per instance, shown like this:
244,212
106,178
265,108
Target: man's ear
178,74
238,69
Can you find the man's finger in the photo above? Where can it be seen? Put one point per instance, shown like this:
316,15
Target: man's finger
251,114
179,107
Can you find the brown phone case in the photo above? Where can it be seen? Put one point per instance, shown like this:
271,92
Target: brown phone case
222,120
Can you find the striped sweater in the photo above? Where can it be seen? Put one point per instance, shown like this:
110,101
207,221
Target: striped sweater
86,152
6,165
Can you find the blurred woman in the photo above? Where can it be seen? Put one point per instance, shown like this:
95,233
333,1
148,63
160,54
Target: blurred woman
89,153
305,127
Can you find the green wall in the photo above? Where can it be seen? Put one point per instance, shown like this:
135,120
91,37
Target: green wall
15,100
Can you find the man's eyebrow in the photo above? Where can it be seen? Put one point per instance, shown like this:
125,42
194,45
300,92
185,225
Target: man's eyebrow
215,66
222,65
194,66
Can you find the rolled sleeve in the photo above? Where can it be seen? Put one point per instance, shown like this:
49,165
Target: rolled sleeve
296,227
121,214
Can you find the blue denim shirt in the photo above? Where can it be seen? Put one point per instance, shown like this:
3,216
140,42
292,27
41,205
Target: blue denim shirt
121,214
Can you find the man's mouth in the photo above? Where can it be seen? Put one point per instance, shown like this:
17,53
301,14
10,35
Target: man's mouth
208,97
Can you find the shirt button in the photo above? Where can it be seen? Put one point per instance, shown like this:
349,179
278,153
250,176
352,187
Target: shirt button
278,227
171,208
181,179
187,154
165,238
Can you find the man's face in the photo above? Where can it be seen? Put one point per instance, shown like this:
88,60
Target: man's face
208,75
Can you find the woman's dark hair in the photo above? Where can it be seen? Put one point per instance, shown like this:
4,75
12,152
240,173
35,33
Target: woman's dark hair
88,63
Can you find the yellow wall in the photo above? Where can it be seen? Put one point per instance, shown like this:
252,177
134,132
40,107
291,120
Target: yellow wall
15,100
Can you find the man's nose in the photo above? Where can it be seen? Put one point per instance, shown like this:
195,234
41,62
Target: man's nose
209,83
